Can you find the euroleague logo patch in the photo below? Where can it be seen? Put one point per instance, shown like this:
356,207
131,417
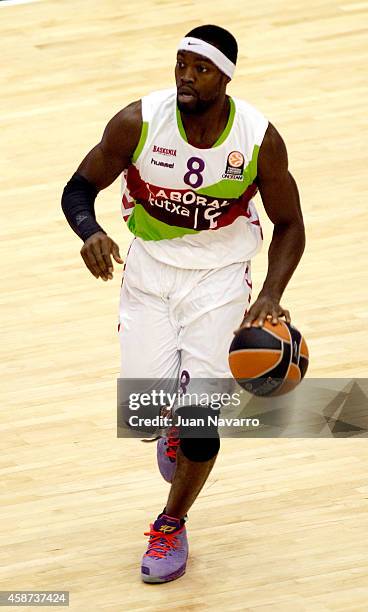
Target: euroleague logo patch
234,166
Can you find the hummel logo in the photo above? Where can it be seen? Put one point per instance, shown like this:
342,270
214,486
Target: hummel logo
156,162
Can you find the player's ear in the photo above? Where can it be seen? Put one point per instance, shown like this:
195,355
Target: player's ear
226,80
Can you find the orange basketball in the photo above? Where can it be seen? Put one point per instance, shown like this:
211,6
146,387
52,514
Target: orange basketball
269,360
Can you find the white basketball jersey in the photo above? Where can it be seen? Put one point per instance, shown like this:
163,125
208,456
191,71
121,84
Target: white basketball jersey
192,207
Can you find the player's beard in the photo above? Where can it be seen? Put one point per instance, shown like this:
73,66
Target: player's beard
196,107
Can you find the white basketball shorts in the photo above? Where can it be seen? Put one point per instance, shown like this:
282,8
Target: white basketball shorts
175,319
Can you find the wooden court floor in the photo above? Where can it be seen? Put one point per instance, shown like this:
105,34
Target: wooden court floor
281,524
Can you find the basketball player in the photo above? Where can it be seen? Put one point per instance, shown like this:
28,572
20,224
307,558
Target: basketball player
192,159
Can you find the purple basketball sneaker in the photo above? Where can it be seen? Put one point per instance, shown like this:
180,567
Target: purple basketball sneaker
166,453
167,552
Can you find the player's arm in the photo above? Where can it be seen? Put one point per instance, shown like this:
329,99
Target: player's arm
280,198
101,166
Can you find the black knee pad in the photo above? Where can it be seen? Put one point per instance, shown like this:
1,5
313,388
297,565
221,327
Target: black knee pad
200,449
199,438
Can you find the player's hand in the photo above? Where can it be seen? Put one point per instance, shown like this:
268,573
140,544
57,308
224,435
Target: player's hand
97,251
265,307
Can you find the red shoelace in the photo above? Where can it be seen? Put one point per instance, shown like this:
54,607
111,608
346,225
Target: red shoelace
160,543
173,442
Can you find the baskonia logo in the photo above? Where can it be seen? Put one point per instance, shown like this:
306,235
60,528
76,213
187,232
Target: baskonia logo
234,166
164,151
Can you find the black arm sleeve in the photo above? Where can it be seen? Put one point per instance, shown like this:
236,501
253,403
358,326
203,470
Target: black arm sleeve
78,204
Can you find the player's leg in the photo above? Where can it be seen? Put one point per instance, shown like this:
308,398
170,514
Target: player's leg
195,459
199,295
208,326
205,295
149,350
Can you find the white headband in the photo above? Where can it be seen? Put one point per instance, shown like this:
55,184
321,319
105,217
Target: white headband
196,45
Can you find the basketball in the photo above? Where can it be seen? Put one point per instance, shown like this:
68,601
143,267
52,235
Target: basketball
269,360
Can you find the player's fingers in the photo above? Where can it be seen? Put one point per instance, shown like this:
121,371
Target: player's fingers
100,262
90,268
261,318
90,262
275,316
285,313
248,320
105,251
116,253
95,264
253,316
